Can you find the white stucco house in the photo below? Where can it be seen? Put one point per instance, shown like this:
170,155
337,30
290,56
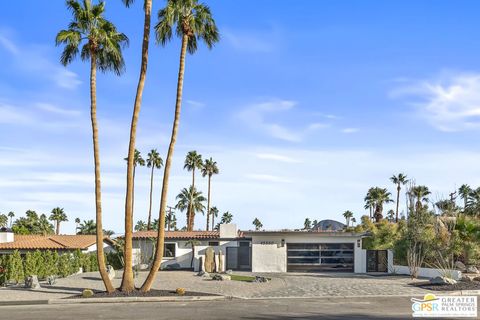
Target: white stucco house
268,251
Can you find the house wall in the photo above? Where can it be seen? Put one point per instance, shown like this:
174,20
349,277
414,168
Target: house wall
426,272
268,254
183,252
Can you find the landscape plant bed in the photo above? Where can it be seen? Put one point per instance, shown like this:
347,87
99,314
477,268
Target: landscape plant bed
138,293
461,285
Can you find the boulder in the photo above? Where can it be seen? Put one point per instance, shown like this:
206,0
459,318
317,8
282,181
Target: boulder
51,280
260,279
87,293
472,269
203,274
476,279
460,266
32,282
221,277
229,271
210,260
220,261
111,272
442,281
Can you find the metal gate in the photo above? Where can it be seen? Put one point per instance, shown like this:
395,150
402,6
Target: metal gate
239,258
377,260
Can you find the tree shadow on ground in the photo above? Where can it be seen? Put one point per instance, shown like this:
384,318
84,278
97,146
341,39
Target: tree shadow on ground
49,289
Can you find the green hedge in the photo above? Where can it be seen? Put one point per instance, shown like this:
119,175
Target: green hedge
15,267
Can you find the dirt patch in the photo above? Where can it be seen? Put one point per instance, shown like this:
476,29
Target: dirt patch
461,285
138,293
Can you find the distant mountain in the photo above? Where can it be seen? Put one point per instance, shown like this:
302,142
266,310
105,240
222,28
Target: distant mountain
328,225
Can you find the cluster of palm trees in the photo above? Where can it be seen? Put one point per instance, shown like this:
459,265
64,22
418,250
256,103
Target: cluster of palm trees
96,40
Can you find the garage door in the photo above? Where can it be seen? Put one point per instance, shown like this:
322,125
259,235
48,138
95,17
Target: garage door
320,257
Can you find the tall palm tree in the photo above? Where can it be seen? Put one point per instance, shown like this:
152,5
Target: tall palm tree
77,224
420,193
353,220
102,45
190,200
153,161
257,224
227,217
370,202
209,168
398,180
214,213
58,215
11,214
127,279
348,215
193,161
194,23
464,192
376,198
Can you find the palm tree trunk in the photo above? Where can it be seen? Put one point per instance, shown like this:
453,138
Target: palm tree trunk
398,202
128,283
57,231
147,285
208,202
150,207
213,221
193,178
98,192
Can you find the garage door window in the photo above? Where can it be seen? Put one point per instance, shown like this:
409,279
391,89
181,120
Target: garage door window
320,257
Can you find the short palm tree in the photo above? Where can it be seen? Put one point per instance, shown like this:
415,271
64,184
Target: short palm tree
398,180
257,224
391,216
153,161
3,220
421,195
464,192
353,220
140,226
193,161
127,279
58,215
209,168
11,214
87,227
192,22
77,224
102,45
214,213
307,224
191,201
348,215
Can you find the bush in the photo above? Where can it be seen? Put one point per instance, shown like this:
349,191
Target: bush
50,260
15,267
114,259
64,265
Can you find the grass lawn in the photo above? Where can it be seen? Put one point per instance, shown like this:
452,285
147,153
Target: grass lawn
236,277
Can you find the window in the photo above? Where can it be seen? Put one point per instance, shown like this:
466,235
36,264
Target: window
213,244
169,250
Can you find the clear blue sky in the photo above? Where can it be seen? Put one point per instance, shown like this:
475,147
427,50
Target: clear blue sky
303,104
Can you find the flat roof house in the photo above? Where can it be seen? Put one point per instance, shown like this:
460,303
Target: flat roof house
267,251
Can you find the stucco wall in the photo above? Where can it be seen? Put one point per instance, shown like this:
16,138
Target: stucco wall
268,254
426,272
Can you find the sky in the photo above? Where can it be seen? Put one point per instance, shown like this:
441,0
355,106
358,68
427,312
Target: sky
303,104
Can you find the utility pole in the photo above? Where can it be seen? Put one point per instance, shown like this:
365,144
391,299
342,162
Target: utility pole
169,217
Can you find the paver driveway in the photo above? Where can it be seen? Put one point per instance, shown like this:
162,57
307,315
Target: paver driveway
281,285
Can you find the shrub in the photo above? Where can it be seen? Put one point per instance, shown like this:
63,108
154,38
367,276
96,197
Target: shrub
15,267
50,260
64,265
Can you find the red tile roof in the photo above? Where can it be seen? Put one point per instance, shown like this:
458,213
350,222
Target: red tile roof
53,242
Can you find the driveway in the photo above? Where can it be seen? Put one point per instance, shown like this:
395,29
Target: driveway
281,286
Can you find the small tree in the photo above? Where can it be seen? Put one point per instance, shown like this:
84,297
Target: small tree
30,265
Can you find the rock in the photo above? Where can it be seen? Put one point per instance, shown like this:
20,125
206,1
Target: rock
210,260
144,266
472,269
229,271
111,272
476,279
260,279
87,293
442,281
220,261
32,282
460,266
203,274
51,280
221,277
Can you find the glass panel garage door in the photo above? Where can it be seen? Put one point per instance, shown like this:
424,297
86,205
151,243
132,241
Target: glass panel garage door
320,257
